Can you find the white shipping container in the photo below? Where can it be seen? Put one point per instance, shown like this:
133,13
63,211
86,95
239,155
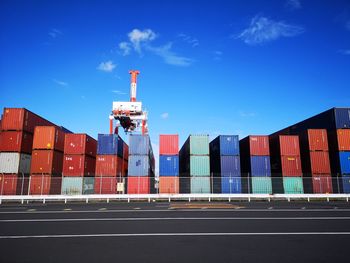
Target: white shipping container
15,163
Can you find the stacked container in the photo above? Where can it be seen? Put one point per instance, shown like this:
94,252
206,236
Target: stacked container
255,164
316,164
16,141
110,172
286,164
141,165
47,160
79,164
168,164
225,165
195,165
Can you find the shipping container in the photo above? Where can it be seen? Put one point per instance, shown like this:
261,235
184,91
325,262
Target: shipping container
317,140
322,184
343,138
345,181
293,185
72,185
342,117
284,145
226,165
13,184
260,166
168,144
291,166
125,168
80,144
255,145
15,163
46,162
319,162
45,185
224,145
88,185
196,145
344,158
20,119
227,185
78,165
169,185
140,145
261,185
16,141
169,165
199,165
140,185
110,144
200,185
105,185
140,165
109,165
48,138
125,151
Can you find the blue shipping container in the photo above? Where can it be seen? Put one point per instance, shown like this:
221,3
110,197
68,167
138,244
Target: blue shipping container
260,166
342,118
110,144
168,165
346,184
225,145
344,162
231,185
230,166
139,144
139,165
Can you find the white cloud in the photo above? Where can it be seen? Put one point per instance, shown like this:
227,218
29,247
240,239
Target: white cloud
293,4
119,92
125,47
164,115
217,54
107,66
246,114
344,51
61,83
55,33
169,56
263,29
137,37
190,40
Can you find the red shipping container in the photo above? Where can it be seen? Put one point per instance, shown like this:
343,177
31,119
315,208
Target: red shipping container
289,145
18,119
291,166
16,141
49,138
125,151
138,185
168,184
259,145
125,168
105,185
169,144
78,165
317,139
80,144
320,163
45,185
343,139
322,184
12,184
46,162
109,165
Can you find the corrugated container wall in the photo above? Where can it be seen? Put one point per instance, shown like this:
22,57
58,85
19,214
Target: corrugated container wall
78,165
322,184
255,145
169,165
320,163
44,185
344,162
168,144
80,144
109,165
72,185
110,144
260,166
293,185
342,118
139,165
140,185
199,165
291,166
105,185
261,185
200,185
48,138
125,151
196,145
343,138
14,163
139,144
46,162
225,145
317,139
289,145
16,141
168,184
88,185
13,184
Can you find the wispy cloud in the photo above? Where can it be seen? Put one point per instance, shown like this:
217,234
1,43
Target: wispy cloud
107,66
217,54
263,29
344,51
125,48
164,115
54,33
169,56
189,39
246,114
119,92
137,37
293,4
61,83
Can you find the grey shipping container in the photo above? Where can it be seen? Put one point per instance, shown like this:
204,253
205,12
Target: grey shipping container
14,163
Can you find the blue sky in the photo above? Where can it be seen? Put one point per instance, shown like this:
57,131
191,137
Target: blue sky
212,67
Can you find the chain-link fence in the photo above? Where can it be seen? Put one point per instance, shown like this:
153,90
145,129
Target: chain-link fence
214,184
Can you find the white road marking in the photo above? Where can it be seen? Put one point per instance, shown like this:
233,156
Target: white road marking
167,218
178,234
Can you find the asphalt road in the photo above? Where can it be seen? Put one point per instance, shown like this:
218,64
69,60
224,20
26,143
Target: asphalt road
176,232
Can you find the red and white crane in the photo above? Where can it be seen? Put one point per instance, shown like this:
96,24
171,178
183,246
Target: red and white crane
129,113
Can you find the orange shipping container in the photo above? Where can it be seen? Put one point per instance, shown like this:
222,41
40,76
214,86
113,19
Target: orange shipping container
343,139
320,163
16,141
45,185
49,138
291,166
168,144
317,139
289,145
168,184
46,162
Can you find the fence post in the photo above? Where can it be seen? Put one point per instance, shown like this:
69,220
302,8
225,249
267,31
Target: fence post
22,185
338,183
42,184
248,177
2,185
